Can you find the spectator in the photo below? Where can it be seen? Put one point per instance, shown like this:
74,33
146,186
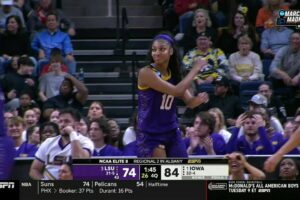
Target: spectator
264,16
220,126
13,67
82,126
239,26
15,128
184,9
54,116
30,118
217,62
7,9
38,113
245,65
65,172
8,115
130,133
274,38
285,72
289,131
55,56
237,166
289,128
33,135
51,81
54,151
202,139
66,96
37,19
15,83
26,103
223,99
285,68
95,110
48,130
276,138
25,6
100,134
258,103
201,23
114,132
274,103
289,169
170,18
45,41
255,140
14,42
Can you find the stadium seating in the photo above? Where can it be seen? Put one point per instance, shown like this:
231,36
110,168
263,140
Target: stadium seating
266,67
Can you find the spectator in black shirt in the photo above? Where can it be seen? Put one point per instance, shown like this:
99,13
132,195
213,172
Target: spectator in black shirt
13,42
223,99
16,82
66,97
275,106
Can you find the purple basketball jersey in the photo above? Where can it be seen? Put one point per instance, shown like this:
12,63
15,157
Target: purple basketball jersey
7,151
156,111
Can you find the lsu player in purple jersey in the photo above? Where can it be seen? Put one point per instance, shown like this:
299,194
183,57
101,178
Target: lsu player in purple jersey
158,84
7,150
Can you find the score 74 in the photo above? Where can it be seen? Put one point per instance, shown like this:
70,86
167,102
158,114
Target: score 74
129,172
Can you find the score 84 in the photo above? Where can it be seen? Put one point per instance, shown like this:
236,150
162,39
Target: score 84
171,172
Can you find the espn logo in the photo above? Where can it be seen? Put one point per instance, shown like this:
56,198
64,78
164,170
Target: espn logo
7,185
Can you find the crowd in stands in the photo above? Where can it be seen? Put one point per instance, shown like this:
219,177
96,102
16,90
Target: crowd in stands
37,70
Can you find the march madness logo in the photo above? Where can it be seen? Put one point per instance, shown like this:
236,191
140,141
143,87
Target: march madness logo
289,18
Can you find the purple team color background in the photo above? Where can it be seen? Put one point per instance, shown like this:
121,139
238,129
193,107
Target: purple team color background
104,172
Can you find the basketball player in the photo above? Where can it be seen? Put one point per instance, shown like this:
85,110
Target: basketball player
7,150
159,83
293,142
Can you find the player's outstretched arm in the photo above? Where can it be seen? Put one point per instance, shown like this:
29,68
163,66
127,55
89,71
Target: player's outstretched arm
292,143
194,101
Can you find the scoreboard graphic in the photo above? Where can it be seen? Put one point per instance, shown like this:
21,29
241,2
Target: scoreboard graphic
150,169
159,179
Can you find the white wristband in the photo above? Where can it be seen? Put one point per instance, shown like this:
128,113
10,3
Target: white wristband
74,136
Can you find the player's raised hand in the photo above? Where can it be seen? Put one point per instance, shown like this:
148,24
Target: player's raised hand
202,98
200,63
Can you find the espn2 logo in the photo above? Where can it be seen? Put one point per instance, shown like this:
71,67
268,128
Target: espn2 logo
7,185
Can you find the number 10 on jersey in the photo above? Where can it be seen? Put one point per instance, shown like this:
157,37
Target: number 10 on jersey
171,172
167,101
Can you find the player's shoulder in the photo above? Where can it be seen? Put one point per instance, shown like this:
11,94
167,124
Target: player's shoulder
146,69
